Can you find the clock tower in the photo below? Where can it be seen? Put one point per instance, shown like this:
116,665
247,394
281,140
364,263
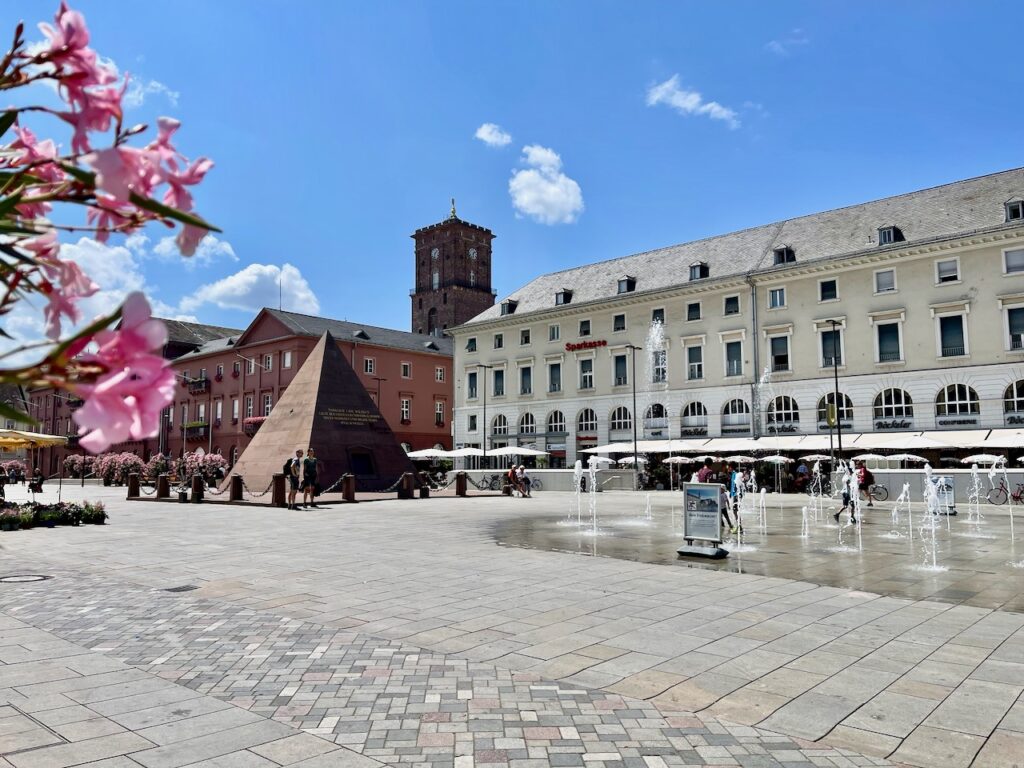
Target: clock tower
453,274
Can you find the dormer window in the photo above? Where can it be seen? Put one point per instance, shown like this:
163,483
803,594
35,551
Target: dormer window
783,255
563,297
627,284
1014,210
699,270
889,235
508,306
361,334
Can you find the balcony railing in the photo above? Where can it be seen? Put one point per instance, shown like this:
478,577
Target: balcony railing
196,431
780,365
555,388
889,357
1017,341
829,362
198,386
252,424
621,381
953,351
526,390
734,368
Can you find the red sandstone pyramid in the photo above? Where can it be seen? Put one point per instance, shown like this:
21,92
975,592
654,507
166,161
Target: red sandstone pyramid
326,408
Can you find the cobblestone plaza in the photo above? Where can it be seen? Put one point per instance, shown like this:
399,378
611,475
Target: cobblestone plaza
478,632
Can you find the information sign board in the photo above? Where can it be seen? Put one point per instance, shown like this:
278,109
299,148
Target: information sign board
702,513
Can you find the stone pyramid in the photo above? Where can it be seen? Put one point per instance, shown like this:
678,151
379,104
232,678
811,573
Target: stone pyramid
326,408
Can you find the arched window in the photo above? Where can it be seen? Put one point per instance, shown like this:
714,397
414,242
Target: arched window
735,413
499,426
957,400
472,279
527,426
435,279
556,422
586,421
621,418
783,410
695,415
893,403
656,411
1013,397
431,321
844,412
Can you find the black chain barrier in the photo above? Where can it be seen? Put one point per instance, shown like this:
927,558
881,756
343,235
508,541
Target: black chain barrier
255,495
145,492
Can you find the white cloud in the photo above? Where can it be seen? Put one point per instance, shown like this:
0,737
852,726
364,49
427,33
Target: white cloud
210,249
542,191
689,102
492,135
139,89
783,46
255,287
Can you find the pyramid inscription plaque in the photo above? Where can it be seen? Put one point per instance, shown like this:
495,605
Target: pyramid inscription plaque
326,408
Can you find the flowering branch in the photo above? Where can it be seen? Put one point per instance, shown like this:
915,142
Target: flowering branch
119,374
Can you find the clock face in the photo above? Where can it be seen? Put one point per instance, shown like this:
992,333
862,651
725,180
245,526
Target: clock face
435,253
472,254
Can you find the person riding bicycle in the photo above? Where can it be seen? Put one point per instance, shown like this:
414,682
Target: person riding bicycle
865,479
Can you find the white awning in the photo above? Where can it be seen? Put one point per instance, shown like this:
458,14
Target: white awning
1005,438
959,438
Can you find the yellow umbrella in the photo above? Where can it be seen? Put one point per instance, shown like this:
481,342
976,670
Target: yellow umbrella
17,438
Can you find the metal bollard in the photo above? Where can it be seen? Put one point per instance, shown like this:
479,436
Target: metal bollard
133,485
460,484
348,488
405,488
277,498
163,487
424,491
197,488
235,491
506,489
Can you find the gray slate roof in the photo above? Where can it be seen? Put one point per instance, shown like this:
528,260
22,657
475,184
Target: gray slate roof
217,345
343,330
196,333
945,211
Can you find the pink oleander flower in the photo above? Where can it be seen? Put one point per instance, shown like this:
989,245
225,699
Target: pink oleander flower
125,402
70,38
64,285
108,214
97,109
123,170
189,238
30,150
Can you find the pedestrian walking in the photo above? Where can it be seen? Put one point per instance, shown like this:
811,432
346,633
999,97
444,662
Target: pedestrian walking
293,471
847,500
865,479
309,487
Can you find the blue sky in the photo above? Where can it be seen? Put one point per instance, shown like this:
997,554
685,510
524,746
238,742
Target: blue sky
338,128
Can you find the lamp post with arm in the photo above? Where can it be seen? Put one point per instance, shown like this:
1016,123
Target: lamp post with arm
636,459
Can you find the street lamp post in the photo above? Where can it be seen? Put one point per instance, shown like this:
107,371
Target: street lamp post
484,425
836,346
636,459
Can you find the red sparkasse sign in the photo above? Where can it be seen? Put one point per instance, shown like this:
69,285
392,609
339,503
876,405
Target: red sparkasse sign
570,347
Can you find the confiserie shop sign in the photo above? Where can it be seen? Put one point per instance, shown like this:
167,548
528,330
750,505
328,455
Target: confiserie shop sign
570,347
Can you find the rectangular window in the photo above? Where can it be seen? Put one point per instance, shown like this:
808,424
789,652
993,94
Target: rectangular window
248,406
658,316
471,344
947,271
526,380
621,377
286,359
438,413
951,336
889,343
1015,210
734,358
234,408
184,414
554,332
694,363
471,425
185,376
554,377
659,367
218,410
236,368
471,385
887,236
202,374
699,271
732,305
250,366
1015,320
584,327
201,412
780,353
587,374
885,280
627,285
693,311
405,407
369,365
524,337
499,383
439,374
268,403
1014,261
268,362
776,298
619,323
220,370
830,349
828,290
406,370
499,341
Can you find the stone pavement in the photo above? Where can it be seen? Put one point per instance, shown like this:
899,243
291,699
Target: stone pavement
403,613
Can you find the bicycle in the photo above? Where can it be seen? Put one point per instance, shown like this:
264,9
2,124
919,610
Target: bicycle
536,484
492,482
1002,493
878,492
